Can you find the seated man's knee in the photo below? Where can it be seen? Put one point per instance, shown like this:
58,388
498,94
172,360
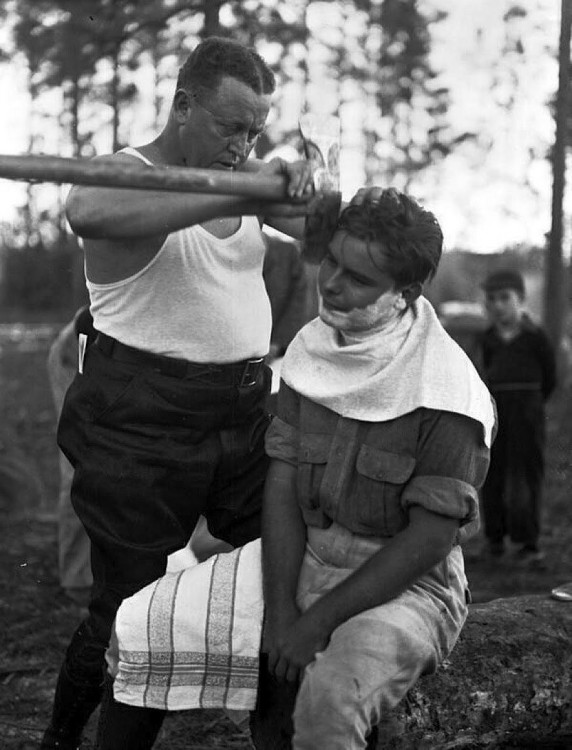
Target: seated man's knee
334,709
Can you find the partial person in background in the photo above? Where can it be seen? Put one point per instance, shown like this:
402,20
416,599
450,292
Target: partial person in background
519,367
292,300
291,286
20,485
74,549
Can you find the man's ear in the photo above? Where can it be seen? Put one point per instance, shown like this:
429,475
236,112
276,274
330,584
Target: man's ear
182,105
411,292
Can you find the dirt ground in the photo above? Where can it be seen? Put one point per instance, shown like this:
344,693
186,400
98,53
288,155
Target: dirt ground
36,620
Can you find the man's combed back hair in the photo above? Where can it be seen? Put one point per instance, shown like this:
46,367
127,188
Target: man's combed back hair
217,57
411,238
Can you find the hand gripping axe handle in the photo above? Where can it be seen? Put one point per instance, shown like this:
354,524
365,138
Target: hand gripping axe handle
34,168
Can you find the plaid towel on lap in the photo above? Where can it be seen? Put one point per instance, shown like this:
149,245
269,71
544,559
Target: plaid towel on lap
191,639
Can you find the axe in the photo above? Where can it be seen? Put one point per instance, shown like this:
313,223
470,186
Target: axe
320,222
320,138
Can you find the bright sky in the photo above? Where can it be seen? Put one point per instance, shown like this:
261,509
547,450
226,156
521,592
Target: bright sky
486,198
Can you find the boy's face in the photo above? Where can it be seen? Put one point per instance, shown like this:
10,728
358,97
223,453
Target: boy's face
504,306
355,293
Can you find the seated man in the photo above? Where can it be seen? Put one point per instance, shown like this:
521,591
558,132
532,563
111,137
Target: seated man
380,444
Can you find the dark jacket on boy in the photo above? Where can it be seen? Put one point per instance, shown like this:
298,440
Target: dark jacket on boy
521,375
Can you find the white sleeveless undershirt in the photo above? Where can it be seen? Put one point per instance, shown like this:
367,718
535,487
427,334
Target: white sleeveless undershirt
200,298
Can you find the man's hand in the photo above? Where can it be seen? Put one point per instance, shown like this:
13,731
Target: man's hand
300,184
373,194
299,188
293,645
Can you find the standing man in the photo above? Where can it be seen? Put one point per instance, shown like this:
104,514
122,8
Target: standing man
166,419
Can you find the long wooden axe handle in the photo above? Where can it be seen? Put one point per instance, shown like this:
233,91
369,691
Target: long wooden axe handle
320,222
31,168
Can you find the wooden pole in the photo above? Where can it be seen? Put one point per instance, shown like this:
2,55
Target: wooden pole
120,175
555,288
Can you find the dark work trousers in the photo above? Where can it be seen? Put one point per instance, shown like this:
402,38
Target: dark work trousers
513,488
152,450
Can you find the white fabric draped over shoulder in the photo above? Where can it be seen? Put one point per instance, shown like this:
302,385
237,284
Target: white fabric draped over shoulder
388,374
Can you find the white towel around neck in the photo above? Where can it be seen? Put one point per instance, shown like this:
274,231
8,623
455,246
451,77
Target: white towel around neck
390,373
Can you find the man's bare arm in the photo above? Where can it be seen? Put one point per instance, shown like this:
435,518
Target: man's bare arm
128,214
283,545
280,215
403,560
407,556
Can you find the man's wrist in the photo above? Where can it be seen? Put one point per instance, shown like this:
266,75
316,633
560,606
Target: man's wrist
323,618
282,610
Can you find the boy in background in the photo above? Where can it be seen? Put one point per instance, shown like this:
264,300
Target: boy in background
520,370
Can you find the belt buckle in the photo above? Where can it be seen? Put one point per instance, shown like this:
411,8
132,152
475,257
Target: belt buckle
250,372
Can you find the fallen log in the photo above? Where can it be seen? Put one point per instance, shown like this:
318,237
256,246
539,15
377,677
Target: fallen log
508,683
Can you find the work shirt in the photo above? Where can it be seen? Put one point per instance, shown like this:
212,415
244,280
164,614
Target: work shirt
524,363
366,475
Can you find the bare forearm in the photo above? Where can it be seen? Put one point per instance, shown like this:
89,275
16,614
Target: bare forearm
283,539
293,227
271,213
98,213
397,566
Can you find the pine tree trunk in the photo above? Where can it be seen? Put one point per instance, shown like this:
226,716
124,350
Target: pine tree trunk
555,292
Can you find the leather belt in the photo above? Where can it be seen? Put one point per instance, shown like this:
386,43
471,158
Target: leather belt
243,374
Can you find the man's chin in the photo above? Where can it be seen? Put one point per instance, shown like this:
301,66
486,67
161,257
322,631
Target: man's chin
338,321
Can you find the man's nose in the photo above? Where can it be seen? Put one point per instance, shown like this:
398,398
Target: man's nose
332,282
239,144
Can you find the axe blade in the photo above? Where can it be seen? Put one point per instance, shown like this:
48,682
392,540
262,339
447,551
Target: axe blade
321,142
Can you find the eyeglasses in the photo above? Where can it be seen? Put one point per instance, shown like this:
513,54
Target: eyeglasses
231,130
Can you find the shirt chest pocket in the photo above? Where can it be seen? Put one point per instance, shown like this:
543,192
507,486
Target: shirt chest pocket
312,459
380,478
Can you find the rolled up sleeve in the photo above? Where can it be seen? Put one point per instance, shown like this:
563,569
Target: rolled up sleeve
446,497
281,441
451,465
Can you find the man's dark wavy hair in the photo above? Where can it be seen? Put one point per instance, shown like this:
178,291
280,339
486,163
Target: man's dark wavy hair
411,238
217,57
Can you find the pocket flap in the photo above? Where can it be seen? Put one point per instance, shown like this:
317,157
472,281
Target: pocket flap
315,448
384,466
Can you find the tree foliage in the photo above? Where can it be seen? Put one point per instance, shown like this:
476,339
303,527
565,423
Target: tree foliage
90,50
66,43
412,103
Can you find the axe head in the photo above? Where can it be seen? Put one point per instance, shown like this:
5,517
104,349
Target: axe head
321,142
321,224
